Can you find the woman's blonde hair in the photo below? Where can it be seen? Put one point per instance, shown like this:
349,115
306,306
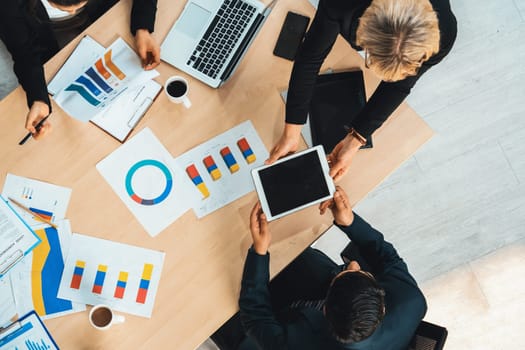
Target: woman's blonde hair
398,36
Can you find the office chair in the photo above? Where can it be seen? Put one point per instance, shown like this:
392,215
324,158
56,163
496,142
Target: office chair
428,336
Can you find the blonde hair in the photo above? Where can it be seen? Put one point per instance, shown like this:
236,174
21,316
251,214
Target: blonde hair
398,36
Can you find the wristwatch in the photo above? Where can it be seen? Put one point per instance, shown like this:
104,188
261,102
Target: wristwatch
355,134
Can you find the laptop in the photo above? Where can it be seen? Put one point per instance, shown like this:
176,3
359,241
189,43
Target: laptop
210,37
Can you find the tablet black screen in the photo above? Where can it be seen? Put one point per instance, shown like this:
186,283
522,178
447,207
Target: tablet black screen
293,183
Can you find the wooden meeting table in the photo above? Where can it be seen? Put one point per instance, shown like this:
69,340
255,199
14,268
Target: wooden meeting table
201,276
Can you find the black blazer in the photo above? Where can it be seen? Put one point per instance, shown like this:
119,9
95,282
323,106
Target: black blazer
334,17
405,303
27,34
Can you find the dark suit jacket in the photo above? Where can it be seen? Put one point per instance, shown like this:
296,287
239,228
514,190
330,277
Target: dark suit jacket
27,34
336,17
308,329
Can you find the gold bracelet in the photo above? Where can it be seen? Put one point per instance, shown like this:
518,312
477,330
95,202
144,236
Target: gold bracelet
355,134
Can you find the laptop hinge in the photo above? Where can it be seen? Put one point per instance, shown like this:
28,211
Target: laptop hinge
242,47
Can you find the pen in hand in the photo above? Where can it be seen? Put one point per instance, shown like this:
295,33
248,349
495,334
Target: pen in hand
37,128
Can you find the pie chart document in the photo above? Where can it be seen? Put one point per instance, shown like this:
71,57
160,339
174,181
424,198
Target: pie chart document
144,175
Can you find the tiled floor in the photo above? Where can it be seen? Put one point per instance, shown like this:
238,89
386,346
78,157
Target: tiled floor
456,210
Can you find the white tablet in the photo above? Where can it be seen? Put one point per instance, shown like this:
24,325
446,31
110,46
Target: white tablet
293,183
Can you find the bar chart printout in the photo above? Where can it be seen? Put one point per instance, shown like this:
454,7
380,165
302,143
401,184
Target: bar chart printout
221,167
144,283
77,274
121,285
124,277
99,279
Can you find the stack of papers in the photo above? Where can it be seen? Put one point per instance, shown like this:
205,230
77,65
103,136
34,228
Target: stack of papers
33,282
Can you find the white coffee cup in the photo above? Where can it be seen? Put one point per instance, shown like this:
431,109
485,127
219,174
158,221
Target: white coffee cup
176,88
102,317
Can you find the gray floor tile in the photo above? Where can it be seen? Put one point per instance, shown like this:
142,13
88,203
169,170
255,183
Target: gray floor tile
435,218
484,117
480,19
520,4
484,64
514,147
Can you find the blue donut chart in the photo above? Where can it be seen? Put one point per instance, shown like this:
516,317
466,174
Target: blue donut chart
161,167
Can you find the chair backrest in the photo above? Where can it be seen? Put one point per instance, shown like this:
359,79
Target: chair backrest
428,336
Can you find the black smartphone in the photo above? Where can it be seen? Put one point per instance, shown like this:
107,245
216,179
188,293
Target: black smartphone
291,35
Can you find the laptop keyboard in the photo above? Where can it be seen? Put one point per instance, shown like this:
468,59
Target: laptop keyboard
220,38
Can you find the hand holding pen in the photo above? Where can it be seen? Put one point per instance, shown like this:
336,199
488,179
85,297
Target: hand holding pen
36,121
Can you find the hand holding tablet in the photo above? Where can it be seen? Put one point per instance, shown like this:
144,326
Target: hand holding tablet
293,183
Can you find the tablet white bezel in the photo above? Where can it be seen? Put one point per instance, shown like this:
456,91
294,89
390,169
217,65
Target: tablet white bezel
319,150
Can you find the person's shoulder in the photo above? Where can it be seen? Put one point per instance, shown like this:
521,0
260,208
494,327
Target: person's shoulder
343,7
448,26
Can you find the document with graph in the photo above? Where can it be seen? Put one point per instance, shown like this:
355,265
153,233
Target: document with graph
122,276
220,168
36,279
28,333
92,90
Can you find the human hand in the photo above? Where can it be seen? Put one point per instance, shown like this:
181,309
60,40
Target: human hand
38,111
147,48
342,155
259,228
287,144
340,207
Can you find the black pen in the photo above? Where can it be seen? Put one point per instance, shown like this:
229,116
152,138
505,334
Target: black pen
37,128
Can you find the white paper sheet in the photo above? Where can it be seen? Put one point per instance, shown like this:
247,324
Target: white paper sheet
46,199
99,271
7,302
117,69
229,186
16,238
143,174
125,112
36,279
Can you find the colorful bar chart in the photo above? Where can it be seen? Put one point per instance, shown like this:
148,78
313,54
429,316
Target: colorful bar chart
210,165
41,345
81,90
42,213
77,274
121,285
246,150
102,70
27,193
89,85
229,159
195,177
98,80
144,283
112,66
99,279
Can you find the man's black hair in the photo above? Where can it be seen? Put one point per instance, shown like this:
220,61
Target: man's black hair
354,307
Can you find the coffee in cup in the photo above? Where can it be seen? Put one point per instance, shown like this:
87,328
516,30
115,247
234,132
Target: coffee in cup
102,317
176,89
